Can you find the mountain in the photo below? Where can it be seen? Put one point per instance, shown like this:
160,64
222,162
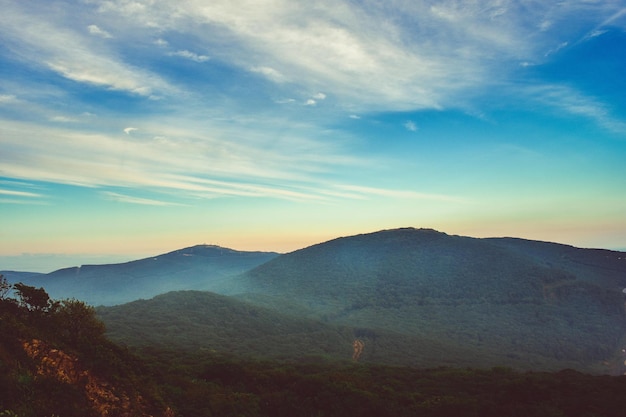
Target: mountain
413,297
20,276
535,303
202,267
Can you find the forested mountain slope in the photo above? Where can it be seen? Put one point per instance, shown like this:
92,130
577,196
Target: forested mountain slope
516,298
56,361
197,321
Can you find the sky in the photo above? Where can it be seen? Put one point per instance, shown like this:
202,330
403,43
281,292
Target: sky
131,128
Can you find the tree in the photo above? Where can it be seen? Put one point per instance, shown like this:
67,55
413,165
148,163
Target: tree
79,322
5,287
34,299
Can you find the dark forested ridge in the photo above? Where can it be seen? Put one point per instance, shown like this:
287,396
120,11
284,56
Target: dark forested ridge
195,321
509,301
202,267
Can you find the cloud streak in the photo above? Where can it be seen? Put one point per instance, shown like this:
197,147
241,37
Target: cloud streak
400,194
95,30
410,126
122,198
412,56
185,162
575,103
14,193
191,56
38,41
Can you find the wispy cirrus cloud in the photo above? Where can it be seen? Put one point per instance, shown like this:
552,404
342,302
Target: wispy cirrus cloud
412,56
123,198
365,191
7,98
16,196
359,57
269,73
575,103
186,162
63,119
182,164
40,42
410,125
95,30
19,193
190,55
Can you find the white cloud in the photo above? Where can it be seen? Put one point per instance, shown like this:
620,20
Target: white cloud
43,42
410,126
7,98
191,55
122,198
270,73
557,48
366,56
407,56
315,99
575,103
400,194
20,197
618,15
63,119
14,193
191,161
95,30
596,33
285,101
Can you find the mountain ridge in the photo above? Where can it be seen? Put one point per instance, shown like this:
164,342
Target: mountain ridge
203,267
505,301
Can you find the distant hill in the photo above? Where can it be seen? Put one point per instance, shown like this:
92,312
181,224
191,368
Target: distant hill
202,267
17,276
413,296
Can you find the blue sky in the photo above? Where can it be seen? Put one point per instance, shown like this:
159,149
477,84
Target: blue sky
130,128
